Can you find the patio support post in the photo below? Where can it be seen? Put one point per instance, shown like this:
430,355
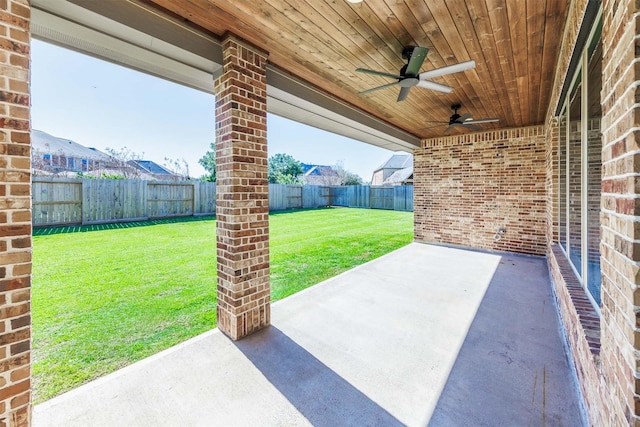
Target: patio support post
242,197
15,214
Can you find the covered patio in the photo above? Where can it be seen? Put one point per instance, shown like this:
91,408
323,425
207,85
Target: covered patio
555,177
424,335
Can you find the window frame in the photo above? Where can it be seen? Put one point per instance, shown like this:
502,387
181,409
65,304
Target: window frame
580,76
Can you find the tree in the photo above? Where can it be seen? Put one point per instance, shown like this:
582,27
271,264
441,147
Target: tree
346,177
284,169
208,162
351,179
178,166
120,163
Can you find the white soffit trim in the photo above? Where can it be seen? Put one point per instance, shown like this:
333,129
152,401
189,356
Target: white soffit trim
194,60
74,27
293,99
297,109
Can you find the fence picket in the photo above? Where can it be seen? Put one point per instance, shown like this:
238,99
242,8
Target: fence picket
57,204
204,198
340,196
382,197
313,197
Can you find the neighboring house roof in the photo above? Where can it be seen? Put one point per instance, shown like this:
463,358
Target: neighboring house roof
320,175
402,176
318,170
152,168
45,143
397,161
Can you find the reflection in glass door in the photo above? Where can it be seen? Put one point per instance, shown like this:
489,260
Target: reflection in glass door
574,177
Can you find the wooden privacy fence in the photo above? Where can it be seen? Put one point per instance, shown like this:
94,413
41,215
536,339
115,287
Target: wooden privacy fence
399,198
58,201
61,201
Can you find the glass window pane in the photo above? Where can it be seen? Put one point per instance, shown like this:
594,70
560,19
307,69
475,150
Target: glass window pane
562,181
575,177
594,179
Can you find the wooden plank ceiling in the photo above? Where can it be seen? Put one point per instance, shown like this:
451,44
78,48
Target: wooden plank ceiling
515,44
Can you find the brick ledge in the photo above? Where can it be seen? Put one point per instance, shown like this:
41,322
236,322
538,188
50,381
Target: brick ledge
587,314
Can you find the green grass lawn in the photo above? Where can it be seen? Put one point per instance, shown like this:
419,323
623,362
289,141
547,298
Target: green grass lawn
104,299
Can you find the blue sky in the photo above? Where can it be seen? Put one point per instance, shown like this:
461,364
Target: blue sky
99,104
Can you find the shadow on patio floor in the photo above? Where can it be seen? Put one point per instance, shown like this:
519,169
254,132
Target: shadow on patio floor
510,370
318,393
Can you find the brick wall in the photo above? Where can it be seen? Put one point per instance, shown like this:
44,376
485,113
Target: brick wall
15,214
620,208
469,186
242,199
604,347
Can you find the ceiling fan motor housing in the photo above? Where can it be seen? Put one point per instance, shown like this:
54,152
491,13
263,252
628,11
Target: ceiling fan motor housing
408,81
407,52
453,119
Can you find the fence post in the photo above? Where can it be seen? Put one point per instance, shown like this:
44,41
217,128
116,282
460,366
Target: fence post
145,198
193,198
84,200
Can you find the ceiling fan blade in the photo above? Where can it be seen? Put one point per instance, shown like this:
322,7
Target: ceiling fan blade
464,118
449,69
418,56
433,127
404,92
473,127
378,88
379,73
447,130
428,84
492,120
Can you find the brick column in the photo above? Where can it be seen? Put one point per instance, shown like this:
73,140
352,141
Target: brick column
15,215
620,250
242,200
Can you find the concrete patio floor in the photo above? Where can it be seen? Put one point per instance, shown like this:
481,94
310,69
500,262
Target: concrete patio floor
426,335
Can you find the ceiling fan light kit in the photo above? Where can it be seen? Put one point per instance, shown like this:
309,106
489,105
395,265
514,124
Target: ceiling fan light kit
410,75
